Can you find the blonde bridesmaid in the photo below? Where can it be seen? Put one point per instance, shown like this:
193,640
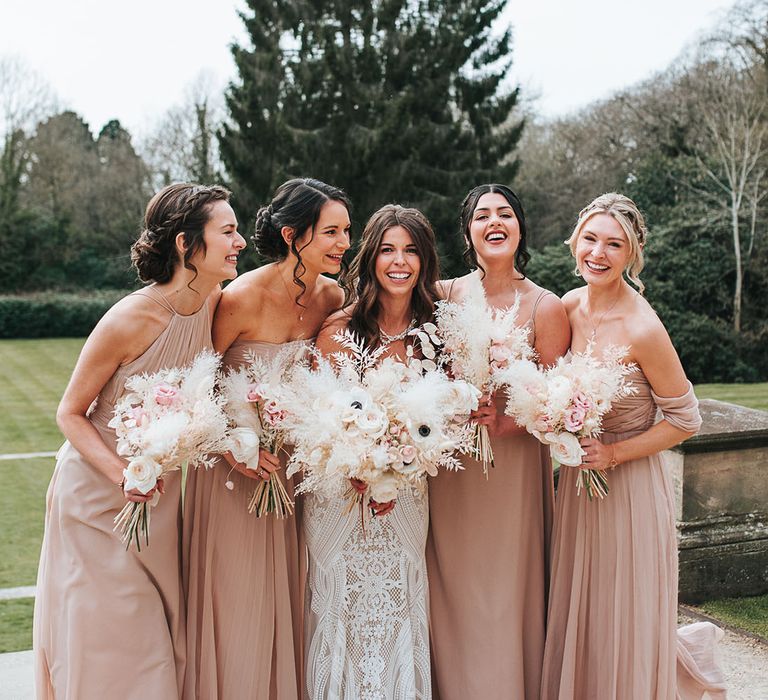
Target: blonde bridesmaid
110,621
488,544
244,575
613,600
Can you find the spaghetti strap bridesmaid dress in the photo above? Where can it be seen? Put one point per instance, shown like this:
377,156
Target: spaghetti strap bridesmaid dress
487,556
110,621
613,602
244,580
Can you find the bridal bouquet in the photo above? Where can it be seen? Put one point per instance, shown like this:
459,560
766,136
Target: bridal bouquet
388,424
253,395
165,420
480,344
567,402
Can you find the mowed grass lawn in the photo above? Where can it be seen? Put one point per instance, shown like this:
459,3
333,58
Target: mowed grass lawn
33,375
750,395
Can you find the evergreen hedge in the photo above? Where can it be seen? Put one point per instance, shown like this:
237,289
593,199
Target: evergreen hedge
54,314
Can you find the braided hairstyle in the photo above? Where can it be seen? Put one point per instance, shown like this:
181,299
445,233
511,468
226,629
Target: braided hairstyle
178,208
632,222
296,204
468,206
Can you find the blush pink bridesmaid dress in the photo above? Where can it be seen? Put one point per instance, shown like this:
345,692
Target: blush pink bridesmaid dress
109,622
613,593
244,580
487,562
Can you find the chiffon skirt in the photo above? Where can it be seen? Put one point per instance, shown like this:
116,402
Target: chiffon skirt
244,584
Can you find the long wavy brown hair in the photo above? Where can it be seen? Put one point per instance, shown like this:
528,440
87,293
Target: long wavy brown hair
360,283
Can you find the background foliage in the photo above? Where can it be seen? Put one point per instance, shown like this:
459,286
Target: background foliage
409,101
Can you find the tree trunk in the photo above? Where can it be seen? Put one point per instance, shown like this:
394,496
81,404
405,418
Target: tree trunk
739,267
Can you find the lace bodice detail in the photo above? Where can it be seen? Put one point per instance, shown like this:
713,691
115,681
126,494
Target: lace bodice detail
366,618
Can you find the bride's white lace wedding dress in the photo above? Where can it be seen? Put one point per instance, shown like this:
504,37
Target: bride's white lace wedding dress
366,622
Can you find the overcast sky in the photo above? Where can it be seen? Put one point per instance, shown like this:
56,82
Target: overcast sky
132,60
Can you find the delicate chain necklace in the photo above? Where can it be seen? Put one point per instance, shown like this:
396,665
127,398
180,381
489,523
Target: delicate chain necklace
387,339
595,327
293,299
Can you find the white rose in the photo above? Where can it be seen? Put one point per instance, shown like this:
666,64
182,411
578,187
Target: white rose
243,443
565,448
463,398
141,474
384,488
372,422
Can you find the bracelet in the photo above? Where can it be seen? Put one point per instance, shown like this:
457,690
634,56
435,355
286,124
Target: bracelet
613,463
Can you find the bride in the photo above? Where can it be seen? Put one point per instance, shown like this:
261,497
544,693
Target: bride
366,631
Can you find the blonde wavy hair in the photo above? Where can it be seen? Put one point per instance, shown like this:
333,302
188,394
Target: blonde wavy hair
628,216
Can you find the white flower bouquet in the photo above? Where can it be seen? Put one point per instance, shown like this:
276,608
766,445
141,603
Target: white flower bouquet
253,395
387,424
480,343
567,402
163,421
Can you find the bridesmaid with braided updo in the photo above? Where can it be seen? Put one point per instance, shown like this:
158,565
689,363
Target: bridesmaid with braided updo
109,622
244,575
611,632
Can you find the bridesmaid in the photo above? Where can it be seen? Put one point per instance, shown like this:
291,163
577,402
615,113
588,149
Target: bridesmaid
110,620
244,575
488,545
613,603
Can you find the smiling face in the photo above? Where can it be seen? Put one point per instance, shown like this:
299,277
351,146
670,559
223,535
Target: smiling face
223,244
397,262
602,250
494,229
323,251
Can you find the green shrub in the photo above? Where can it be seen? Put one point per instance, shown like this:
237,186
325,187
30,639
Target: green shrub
54,315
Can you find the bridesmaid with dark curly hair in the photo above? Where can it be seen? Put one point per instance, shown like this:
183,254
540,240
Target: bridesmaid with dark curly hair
244,575
488,546
110,621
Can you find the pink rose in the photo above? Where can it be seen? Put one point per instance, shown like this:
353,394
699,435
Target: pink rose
500,352
407,453
254,394
582,401
166,395
273,414
574,419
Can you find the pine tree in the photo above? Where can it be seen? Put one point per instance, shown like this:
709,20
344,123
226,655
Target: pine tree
254,142
393,100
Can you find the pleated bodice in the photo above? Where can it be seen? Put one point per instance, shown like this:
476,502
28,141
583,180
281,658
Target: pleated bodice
638,412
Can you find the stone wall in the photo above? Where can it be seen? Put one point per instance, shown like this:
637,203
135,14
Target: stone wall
721,483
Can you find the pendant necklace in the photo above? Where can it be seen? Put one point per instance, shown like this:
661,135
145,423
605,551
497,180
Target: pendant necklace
288,292
595,327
